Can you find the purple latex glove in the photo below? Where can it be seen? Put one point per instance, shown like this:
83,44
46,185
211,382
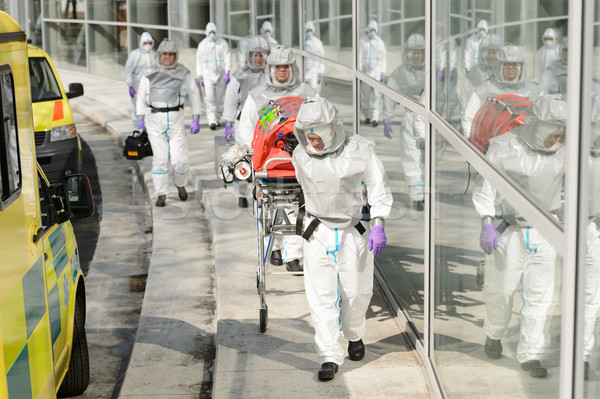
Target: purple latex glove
201,81
441,75
131,91
377,240
195,126
381,78
387,130
319,77
488,240
451,74
228,132
226,78
141,125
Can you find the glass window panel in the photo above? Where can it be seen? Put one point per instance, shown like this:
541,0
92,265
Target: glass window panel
187,44
192,14
68,9
400,146
101,10
591,330
154,13
65,43
108,51
333,26
35,23
10,175
512,295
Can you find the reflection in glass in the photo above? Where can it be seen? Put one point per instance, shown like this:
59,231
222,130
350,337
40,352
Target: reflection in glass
66,45
313,70
153,13
473,290
68,9
107,55
371,57
101,10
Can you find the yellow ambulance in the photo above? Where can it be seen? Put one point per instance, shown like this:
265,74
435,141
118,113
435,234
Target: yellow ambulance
43,348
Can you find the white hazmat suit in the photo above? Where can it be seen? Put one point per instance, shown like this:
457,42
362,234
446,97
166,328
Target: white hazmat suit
138,61
271,89
548,53
162,93
266,30
313,70
499,83
336,181
554,78
243,80
532,155
213,64
409,79
471,55
371,56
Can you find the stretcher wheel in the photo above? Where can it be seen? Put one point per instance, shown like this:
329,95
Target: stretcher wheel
264,316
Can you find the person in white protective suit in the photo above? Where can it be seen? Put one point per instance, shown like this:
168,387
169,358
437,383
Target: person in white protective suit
266,30
371,56
471,54
409,79
313,70
488,49
138,61
508,78
519,257
548,53
163,90
282,79
554,78
338,176
242,81
446,63
213,64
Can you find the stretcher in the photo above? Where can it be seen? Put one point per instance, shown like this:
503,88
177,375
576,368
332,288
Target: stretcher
276,192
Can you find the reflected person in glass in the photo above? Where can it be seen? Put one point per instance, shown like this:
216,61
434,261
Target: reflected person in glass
138,61
488,49
471,55
266,30
242,81
409,79
508,77
554,79
371,56
548,53
213,64
313,70
519,257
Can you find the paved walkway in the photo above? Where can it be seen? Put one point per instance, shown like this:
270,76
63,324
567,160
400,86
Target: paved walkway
204,253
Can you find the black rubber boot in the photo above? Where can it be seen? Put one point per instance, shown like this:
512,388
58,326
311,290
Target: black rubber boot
182,193
535,369
276,259
356,350
327,371
493,348
242,203
294,266
161,200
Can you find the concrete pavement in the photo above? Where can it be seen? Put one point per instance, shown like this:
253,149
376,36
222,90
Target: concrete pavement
202,287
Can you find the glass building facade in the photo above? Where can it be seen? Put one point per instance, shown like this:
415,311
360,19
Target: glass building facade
443,286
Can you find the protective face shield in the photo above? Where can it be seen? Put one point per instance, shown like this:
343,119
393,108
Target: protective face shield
545,124
146,41
549,37
510,65
482,28
564,49
319,117
488,50
257,45
167,46
414,50
282,55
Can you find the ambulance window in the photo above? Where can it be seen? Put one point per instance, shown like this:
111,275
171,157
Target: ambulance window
10,168
44,86
44,203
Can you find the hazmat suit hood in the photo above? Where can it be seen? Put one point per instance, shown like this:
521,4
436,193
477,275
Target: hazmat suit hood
318,116
266,27
167,46
282,55
549,38
415,42
211,30
373,26
510,54
544,127
257,44
488,43
482,28
146,37
309,27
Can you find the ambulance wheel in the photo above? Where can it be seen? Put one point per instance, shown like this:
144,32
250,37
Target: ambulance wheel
264,315
78,375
